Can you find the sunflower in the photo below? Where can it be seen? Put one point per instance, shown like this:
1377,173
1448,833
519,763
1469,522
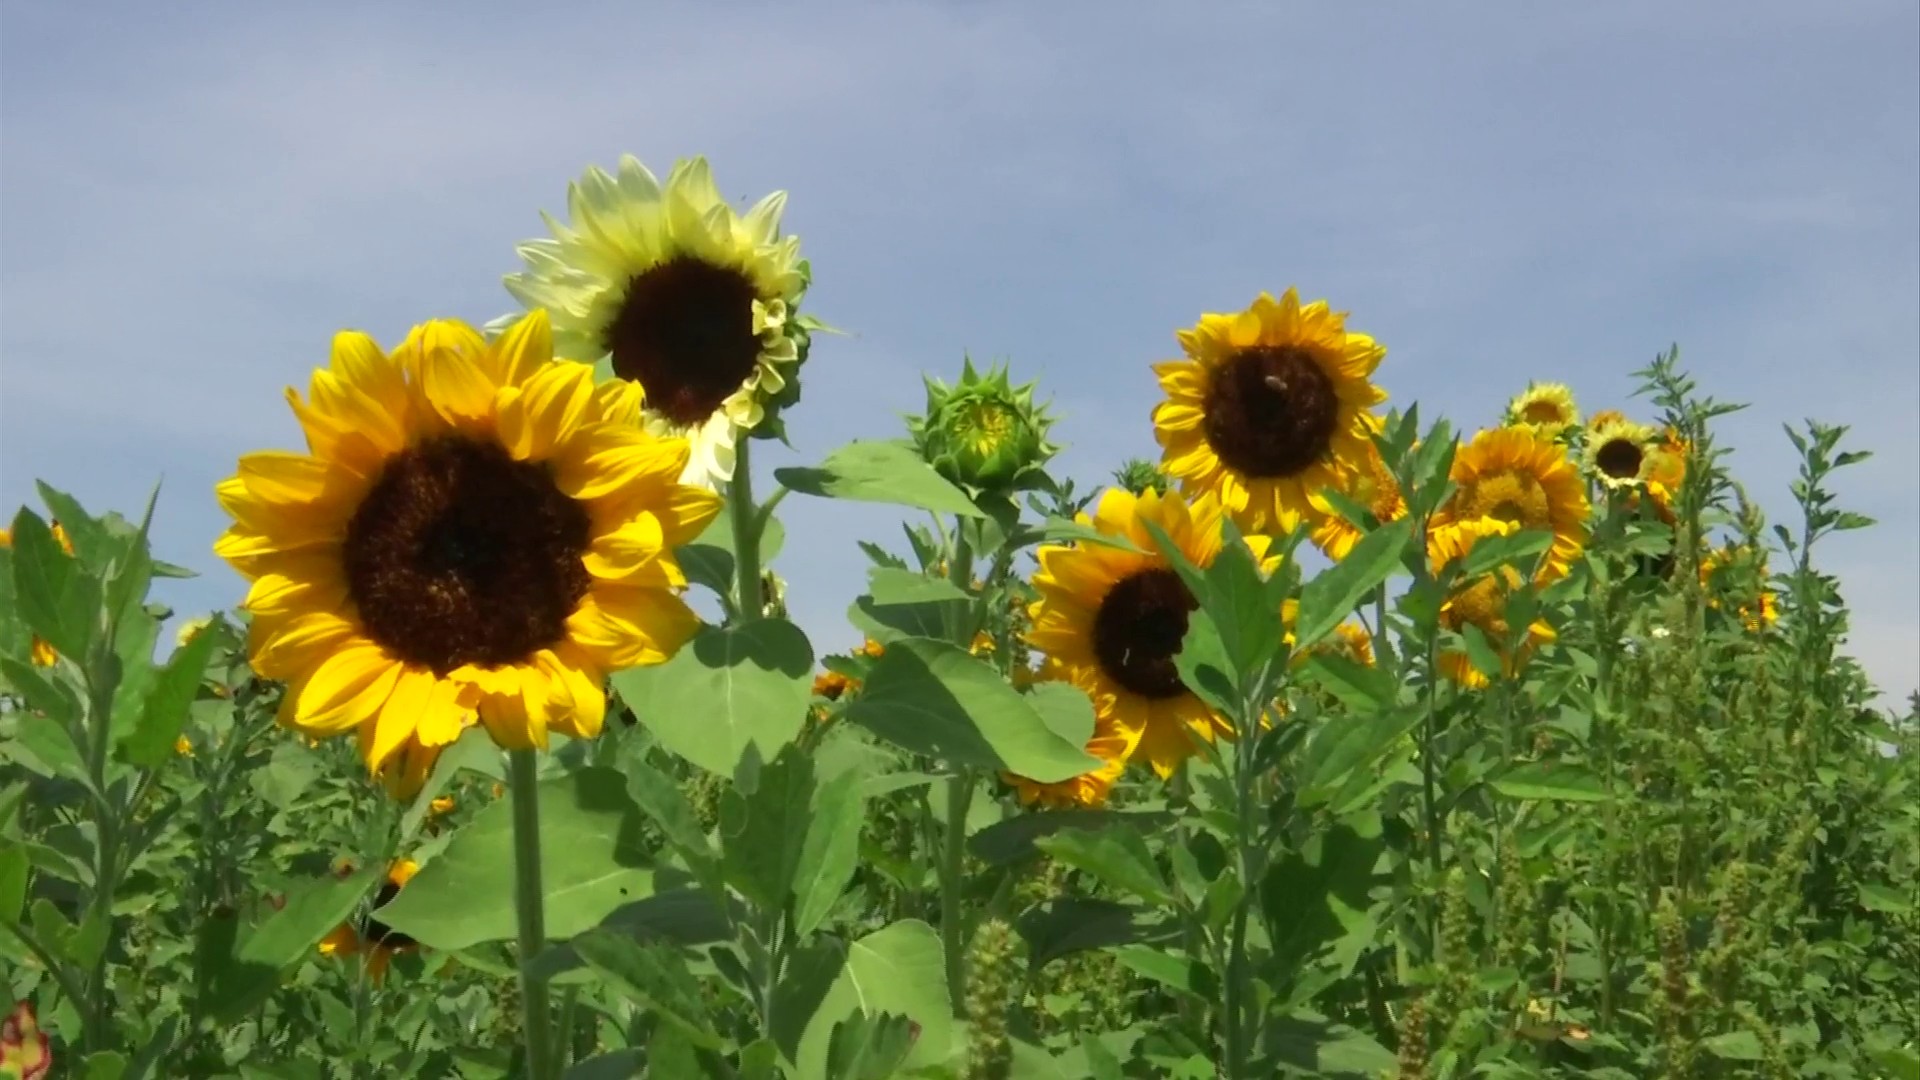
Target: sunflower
1515,476
1481,602
1547,408
475,535
691,302
1268,408
1620,453
1372,485
1746,562
1111,742
1350,640
832,684
1111,621
1666,473
25,1052
42,652
379,941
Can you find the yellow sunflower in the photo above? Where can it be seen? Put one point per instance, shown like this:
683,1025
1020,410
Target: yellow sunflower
1547,408
1666,473
1755,616
1481,602
1620,453
687,299
42,652
1110,621
1267,409
475,534
1350,639
378,940
1604,417
1515,476
1372,485
1111,742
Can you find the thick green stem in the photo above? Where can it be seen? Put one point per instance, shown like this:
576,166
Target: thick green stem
953,940
746,535
1429,750
1247,841
536,1022
99,1004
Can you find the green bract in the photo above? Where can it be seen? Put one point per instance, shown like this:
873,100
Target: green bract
984,432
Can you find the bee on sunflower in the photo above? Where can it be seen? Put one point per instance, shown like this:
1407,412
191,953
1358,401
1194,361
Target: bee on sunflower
476,534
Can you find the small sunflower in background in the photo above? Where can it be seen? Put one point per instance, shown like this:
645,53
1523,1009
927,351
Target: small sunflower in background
1267,409
1369,483
1481,602
1349,640
42,652
1547,408
475,535
1667,473
691,304
1516,477
832,685
1110,621
1620,454
380,942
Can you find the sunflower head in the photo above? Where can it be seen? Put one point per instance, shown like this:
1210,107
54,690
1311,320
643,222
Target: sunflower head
1515,477
474,535
832,685
1547,408
1111,621
369,935
983,432
1112,743
1371,484
1267,408
1739,570
1349,640
684,298
1620,454
1480,602
1667,473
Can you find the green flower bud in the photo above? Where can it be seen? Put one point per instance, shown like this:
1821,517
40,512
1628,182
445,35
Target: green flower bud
984,433
1139,474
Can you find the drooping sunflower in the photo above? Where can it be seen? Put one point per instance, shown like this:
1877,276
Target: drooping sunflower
1513,475
1547,408
1481,602
1620,454
42,652
685,298
1111,742
380,942
1371,484
1110,621
476,534
1267,409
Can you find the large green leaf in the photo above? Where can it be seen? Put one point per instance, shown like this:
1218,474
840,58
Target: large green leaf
1315,900
1014,839
902,604
592,860
933,698
883,472
165,713
728,689
1064,927
763,832
1332,594
1115,855
58,598
831,852
1345,742
1316,1046
652,976
289,936
1551,780
1065,709
896,969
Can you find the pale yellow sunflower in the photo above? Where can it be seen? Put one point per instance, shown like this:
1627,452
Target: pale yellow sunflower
1110,742
1620,454
380,942
1110,621
42,652
1547,408
1515,476
1268,408
1481,602
688,300
475,534
1371,484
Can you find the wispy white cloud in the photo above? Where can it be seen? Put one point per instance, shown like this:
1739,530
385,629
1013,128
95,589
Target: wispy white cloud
196,197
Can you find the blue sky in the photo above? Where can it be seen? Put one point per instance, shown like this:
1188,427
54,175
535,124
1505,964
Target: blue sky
197,196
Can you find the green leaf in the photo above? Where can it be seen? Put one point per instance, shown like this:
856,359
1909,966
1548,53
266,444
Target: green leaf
654,977
1184,973
59,600
1496,551
1358,686
1117,856
1065,709
866,1046
1062,530
1013,840
1063,927
666,803
896,969
763,833
1206,668
1736,1046
728,689
930,697
593,859
1333,593
615,1065
883,472
1342,744
903,604
289,936
709,558
292,768
831,852
13,881
1877,897
1315,899
1551,780
686,917
1316,1046
150,743
473,751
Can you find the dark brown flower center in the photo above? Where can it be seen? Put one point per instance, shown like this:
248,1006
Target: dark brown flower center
1620,458
462,555
1271,411
684,332
375,932
1138,631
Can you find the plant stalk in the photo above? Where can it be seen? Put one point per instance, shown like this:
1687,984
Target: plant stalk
536,1019
953,940
746,534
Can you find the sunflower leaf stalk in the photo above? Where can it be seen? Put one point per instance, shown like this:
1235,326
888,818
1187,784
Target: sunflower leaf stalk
747,526
530,914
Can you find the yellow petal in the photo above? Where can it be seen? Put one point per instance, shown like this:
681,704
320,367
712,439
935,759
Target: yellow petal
523,349
345,690
398,719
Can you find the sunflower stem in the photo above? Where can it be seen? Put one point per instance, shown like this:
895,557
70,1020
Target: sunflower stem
523,778
953,940
746,534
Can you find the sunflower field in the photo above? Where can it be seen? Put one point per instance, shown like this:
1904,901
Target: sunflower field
1336,742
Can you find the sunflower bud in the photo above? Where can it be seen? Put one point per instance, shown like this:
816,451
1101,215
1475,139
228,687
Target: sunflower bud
1139,474
984,433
